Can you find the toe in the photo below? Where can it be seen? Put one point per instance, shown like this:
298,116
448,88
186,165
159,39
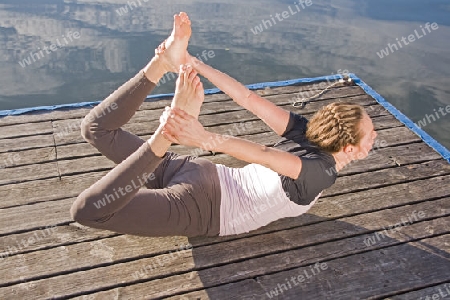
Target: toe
184,16
192,75
182,76
177,21
189,72
186,73
185,19
199,88
195,80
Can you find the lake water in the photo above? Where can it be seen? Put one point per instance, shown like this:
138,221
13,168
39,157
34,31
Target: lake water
91,47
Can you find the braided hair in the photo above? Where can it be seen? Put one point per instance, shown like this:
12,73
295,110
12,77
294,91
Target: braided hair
336,125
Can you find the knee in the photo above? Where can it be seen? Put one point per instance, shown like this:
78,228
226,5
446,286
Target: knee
91,130
76,212
79,212
85,211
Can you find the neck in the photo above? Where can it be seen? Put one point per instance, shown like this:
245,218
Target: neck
341,160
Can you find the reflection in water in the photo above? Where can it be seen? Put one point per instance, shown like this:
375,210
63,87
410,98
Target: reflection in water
117,38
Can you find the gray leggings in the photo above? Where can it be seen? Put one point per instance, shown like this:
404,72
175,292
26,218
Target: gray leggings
182,194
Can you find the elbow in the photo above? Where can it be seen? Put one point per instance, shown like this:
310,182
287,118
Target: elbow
266,156
249,102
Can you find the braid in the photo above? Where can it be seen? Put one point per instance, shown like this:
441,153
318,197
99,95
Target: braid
335,126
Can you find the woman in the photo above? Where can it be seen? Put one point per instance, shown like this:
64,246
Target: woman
192,196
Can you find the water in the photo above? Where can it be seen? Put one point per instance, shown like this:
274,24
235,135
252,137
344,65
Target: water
107,41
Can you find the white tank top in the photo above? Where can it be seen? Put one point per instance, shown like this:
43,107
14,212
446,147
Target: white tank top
253,197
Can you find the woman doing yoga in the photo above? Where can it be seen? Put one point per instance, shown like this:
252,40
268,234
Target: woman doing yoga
191,196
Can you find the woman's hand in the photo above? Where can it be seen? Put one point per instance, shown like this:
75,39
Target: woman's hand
181,128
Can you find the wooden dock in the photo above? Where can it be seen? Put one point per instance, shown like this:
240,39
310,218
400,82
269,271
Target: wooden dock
343,248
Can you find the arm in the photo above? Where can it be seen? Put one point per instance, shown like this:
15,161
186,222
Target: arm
275,117
279,161
184,129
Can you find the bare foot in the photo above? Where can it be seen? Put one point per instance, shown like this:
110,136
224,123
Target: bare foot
189,93
173,51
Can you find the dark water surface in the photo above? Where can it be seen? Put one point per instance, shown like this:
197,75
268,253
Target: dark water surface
56,52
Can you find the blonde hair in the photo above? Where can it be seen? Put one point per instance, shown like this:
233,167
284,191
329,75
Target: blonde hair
336,125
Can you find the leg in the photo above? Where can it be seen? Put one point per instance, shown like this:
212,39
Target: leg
107,195
101,127
189,206
133,172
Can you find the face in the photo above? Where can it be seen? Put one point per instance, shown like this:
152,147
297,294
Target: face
369,135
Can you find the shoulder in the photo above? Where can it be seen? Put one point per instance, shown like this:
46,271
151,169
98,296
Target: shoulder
315,176
297,125
317,168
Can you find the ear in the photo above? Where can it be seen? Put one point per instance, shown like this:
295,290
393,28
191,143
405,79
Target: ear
348,149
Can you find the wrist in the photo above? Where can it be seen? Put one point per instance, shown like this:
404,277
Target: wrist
208,143
194,61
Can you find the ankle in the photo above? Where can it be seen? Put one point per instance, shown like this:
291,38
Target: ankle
158,143
155,69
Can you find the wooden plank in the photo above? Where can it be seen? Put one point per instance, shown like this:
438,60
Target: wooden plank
385,121
26,143
84,256
401,155
386,157
13,159
49,236
54,212
242,290
43,116
22,130
85,164
385,177
46,189
28,172
439,291
398,266
280,241
66,128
